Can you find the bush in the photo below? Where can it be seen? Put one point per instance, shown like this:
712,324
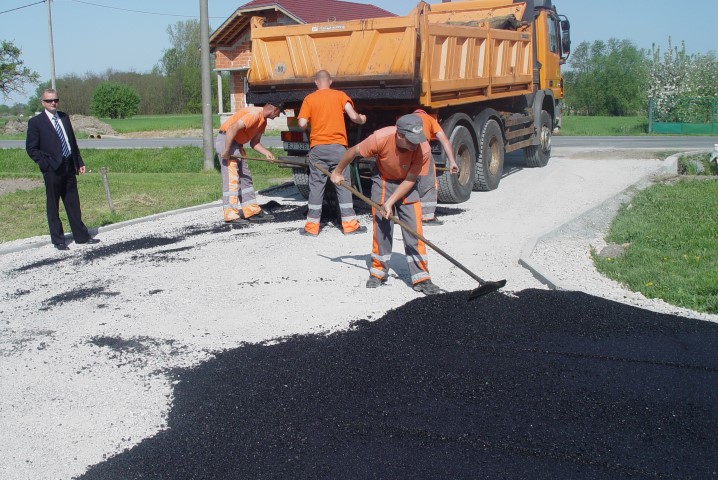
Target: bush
697,164
114,100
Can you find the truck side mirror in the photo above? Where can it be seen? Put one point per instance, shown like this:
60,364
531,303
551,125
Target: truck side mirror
565,37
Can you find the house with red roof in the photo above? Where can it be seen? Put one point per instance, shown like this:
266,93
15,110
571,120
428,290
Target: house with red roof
232,45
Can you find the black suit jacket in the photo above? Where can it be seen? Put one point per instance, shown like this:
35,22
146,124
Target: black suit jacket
43,145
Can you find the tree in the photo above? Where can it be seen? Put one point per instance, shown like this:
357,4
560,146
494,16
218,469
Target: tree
13,75
114,100
682,87
181,65
607,78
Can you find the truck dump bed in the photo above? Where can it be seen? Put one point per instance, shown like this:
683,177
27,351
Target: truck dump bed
438,55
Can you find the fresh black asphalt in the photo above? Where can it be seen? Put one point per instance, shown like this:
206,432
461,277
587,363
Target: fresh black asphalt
541,385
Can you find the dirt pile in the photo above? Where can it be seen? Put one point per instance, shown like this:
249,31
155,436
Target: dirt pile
90,125
14,127
9,185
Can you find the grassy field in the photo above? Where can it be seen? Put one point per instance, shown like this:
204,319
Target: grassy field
142,182
673,235
572,125
603,126
147,123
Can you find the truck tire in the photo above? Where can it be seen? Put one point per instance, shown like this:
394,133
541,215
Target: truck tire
539,155
457,188
490,163
300,175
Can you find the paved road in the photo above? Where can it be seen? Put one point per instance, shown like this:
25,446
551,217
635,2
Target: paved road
647,142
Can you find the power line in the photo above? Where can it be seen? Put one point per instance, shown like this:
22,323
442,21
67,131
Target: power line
137,11
24,6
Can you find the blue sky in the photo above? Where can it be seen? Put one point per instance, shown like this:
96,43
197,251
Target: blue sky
92,38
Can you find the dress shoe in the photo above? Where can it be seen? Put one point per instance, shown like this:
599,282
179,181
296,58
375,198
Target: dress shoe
62,246
89,241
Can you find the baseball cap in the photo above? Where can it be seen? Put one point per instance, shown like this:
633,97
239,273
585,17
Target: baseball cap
411,127
276,103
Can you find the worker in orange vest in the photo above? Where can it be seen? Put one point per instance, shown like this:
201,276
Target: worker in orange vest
402,155
428,184
323,111
247,125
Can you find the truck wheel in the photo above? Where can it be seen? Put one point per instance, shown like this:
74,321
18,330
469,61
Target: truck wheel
457,188
490,164
301,180
539,155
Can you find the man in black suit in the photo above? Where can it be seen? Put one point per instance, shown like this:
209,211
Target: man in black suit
51,143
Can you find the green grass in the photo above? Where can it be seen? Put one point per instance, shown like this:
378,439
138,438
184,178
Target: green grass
574,125
142,182
146,123
673,254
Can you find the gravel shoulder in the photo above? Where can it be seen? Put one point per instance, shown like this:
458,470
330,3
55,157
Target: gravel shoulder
89,338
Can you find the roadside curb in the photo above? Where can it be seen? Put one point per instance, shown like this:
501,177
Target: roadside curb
134,221
611,205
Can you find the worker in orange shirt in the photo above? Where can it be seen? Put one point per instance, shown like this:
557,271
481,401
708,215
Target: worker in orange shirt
247,125
402,155
323,112
427,184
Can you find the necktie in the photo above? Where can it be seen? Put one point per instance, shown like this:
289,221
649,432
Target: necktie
65,147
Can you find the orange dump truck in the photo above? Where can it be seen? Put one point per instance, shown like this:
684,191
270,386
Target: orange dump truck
488,70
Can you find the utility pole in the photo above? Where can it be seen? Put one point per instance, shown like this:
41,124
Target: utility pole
207,136
52,46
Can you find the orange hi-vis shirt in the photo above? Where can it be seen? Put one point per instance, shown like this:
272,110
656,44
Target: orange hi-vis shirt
394,163
431,126
324,110
254,123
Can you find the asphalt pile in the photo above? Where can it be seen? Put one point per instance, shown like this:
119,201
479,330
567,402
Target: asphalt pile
539,385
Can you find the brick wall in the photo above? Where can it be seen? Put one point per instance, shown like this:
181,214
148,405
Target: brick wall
238,55
236,85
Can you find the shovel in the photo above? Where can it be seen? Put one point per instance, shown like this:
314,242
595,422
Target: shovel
485,287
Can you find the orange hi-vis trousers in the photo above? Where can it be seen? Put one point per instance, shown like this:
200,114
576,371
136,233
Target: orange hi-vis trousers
410,212
237,186
328,157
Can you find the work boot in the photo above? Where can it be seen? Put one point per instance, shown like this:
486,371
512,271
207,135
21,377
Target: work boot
305,233
357,231
262,216
427,288
237,222
374,282
432,221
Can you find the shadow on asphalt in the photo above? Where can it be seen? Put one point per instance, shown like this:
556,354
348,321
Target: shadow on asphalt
544,385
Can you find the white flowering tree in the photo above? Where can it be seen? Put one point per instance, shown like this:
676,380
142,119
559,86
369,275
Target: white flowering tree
682,87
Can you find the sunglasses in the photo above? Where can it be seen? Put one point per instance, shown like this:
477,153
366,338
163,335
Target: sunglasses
51,100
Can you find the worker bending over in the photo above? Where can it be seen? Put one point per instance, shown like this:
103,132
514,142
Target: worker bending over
247,125
402,155
323,111
427,184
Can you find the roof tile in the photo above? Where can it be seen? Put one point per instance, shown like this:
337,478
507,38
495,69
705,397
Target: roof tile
323,10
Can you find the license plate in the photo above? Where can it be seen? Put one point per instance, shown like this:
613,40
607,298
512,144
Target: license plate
435,148
297,146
